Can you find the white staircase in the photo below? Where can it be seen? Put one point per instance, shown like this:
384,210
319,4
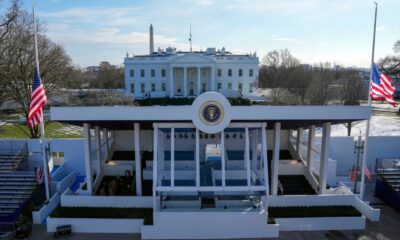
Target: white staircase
15,188
10,162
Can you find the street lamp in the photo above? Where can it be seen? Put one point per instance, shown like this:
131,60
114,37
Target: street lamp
358,148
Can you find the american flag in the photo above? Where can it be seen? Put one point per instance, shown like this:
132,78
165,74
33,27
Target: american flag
382,87
38,99
39,175
368,173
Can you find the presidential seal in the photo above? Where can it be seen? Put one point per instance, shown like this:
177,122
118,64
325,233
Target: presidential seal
211,113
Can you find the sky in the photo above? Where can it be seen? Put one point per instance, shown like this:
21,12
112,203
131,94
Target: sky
339,31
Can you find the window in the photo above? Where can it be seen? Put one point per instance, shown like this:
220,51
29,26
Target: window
132,87
142,72
230,86
251,72
240,72
153,87
132,73
251,87
219,86
142,88
163,87
229,72
240,87
219,73
163,72
153,73
203,87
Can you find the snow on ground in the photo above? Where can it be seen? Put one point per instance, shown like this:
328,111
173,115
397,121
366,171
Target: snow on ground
380,126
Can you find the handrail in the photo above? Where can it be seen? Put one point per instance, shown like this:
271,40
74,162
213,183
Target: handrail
280,186
306,144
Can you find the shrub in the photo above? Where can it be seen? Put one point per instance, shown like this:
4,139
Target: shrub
314,211
94,212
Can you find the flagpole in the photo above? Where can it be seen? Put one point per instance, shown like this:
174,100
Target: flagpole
42,136
364,162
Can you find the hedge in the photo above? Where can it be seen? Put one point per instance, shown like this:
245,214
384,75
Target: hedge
186,101
94,212
314,211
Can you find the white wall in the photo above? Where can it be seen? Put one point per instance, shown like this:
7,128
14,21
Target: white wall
342,150
72,148
124,140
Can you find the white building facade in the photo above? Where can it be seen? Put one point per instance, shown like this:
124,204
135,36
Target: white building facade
172,73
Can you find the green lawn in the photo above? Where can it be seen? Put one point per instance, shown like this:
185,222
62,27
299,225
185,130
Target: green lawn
52,130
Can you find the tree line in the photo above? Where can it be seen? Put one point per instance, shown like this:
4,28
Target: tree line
292,82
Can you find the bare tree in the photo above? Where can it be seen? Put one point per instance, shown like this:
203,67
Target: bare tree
18,59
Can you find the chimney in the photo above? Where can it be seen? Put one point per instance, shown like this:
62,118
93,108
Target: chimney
151,40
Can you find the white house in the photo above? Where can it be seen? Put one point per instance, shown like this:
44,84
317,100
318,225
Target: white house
173,73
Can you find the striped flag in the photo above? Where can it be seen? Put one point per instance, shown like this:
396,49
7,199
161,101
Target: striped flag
382,87
368,173
353,174
39,175
38,99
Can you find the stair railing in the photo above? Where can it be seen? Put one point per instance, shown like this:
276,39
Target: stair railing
280,186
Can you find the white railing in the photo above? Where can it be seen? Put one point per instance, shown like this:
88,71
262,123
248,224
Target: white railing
38,217
66,182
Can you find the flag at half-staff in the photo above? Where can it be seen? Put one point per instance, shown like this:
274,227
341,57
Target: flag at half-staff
382,86
38,99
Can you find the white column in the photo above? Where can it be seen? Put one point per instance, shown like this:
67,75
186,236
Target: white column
247,154
323,171
299,134
275,161
265,160
98,146
105,136
171,82
311,138
88,163
212,79
223,159
185,93
138,160
172,157
197,158
155,159
254,141
198,81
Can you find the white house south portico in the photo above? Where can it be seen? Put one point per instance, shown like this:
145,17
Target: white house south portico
217,163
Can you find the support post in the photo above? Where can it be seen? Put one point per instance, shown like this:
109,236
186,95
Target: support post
98,146
264,148
323,171
155,160
185,82
197,158
138,160
298,140
171,82
172,157
212,79
198,81
275,161
223,158
310,153
247,155
88,163
105,136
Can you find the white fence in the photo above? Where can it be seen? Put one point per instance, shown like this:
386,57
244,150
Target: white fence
321,223
69,199
66,182
39,216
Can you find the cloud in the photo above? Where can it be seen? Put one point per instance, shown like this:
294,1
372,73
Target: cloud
204,3
386,29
